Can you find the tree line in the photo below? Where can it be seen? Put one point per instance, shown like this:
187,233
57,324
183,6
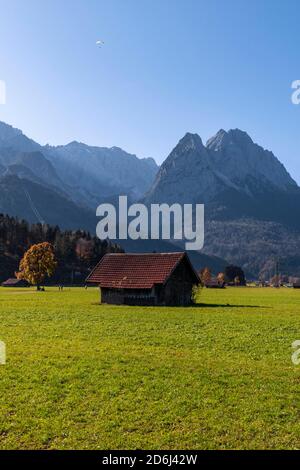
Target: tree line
232,275
75,251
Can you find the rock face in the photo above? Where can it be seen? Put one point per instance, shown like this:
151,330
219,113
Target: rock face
230,161
238,158
186,174
64,185
13,138
102,171
87,175
252,205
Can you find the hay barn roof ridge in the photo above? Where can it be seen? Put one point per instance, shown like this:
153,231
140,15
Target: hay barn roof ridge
136,270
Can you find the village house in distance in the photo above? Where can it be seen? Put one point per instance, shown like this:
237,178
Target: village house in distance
13,282
163,279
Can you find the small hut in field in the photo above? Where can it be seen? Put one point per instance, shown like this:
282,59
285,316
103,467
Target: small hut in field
14,282
145,279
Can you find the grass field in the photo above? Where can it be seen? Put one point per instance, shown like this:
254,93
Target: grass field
85,376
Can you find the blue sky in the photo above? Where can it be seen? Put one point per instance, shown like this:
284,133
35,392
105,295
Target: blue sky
167,67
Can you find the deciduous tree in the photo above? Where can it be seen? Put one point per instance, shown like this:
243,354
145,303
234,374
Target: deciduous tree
38,263
221,279
205,276
231,272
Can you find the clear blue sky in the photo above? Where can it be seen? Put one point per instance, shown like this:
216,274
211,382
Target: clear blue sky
167,67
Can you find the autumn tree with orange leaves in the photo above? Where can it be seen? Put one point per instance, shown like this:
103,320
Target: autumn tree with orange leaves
205,275
221,279
38,263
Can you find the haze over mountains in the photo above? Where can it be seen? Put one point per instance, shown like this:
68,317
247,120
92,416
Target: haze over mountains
85,174
251,201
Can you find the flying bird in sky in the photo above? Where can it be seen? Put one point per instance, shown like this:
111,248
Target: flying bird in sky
100,43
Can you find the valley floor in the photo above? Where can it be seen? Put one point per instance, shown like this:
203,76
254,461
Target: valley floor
84,376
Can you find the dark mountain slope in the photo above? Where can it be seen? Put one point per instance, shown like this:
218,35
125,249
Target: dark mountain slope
36,203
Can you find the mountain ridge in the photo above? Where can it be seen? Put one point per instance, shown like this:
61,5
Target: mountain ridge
227,160
245,189
87,181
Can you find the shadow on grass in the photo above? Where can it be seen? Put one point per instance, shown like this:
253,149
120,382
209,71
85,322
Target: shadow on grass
226,306
180,306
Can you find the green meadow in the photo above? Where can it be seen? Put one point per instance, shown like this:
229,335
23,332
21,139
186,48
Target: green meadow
219,375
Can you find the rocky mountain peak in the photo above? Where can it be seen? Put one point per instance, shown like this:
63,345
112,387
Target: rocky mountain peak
230,161
74,143
8,132
239,137
223,139
190,142
188,152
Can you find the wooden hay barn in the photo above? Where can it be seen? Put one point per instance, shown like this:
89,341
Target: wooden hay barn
13,282
145,279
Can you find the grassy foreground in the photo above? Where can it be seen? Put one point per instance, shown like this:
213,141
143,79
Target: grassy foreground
85,376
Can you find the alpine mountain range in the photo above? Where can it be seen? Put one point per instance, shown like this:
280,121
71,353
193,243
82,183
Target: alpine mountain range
252,204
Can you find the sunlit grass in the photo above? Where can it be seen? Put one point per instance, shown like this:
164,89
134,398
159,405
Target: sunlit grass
85,376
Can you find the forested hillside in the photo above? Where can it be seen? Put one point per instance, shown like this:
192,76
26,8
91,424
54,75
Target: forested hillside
76,251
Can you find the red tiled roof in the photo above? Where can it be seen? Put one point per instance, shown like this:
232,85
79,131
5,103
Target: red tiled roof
135,271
